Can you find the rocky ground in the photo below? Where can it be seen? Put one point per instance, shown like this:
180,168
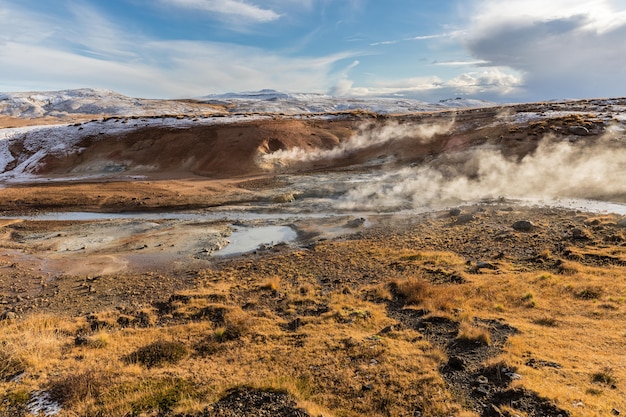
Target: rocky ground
493,307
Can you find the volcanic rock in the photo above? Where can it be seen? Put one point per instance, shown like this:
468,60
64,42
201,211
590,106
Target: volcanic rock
465,218
579,130
523,226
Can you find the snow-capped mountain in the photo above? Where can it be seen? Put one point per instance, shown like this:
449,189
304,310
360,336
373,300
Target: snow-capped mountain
90,101
272,101
105,102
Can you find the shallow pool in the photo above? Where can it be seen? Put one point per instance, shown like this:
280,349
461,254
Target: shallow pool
247,239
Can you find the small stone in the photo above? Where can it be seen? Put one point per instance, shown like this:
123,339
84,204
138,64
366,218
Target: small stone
454,212
622,223
367,387
81,340
354,223
485,265
579,234
387,329
465,218
615,412
523,226
578,130
483,389
482,379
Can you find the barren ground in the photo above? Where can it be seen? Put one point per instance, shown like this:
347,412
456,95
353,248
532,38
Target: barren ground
459,309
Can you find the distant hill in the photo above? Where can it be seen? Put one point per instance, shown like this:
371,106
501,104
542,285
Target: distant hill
90,101
272,101
105,102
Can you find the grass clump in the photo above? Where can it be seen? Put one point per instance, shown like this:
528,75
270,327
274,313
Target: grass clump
411,291
271,284
529,300
546,321
589,293
81,386
605,376
158,353
235,325
10,366
470,333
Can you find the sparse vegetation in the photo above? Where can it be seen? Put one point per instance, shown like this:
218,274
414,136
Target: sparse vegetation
82,386
471,333
10,365
589,293
605,376
158,353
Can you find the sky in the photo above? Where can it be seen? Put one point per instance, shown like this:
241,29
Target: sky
497,50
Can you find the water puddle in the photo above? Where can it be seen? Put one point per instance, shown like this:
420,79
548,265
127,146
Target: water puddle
593,206
249,239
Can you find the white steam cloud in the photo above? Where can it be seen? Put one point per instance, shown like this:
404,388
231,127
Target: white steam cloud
368,136
557,168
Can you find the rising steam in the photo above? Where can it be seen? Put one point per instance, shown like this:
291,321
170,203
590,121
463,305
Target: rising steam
367,136
555,169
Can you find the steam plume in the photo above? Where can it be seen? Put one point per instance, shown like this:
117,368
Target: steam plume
555,169
367,136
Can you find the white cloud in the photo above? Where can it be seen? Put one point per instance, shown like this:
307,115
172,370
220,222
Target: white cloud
489,84
95,52
563,48
233,8
417,38
493,81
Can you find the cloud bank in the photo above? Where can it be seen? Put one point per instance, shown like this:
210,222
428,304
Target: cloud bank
562,48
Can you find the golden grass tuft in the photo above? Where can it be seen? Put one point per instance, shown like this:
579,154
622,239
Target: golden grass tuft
434,298
83,386
412,291
271,284
472,333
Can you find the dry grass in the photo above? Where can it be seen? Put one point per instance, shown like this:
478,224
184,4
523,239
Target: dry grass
237,328
272,284
158,353
472,333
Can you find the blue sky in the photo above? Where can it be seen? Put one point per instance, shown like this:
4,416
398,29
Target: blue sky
514,50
